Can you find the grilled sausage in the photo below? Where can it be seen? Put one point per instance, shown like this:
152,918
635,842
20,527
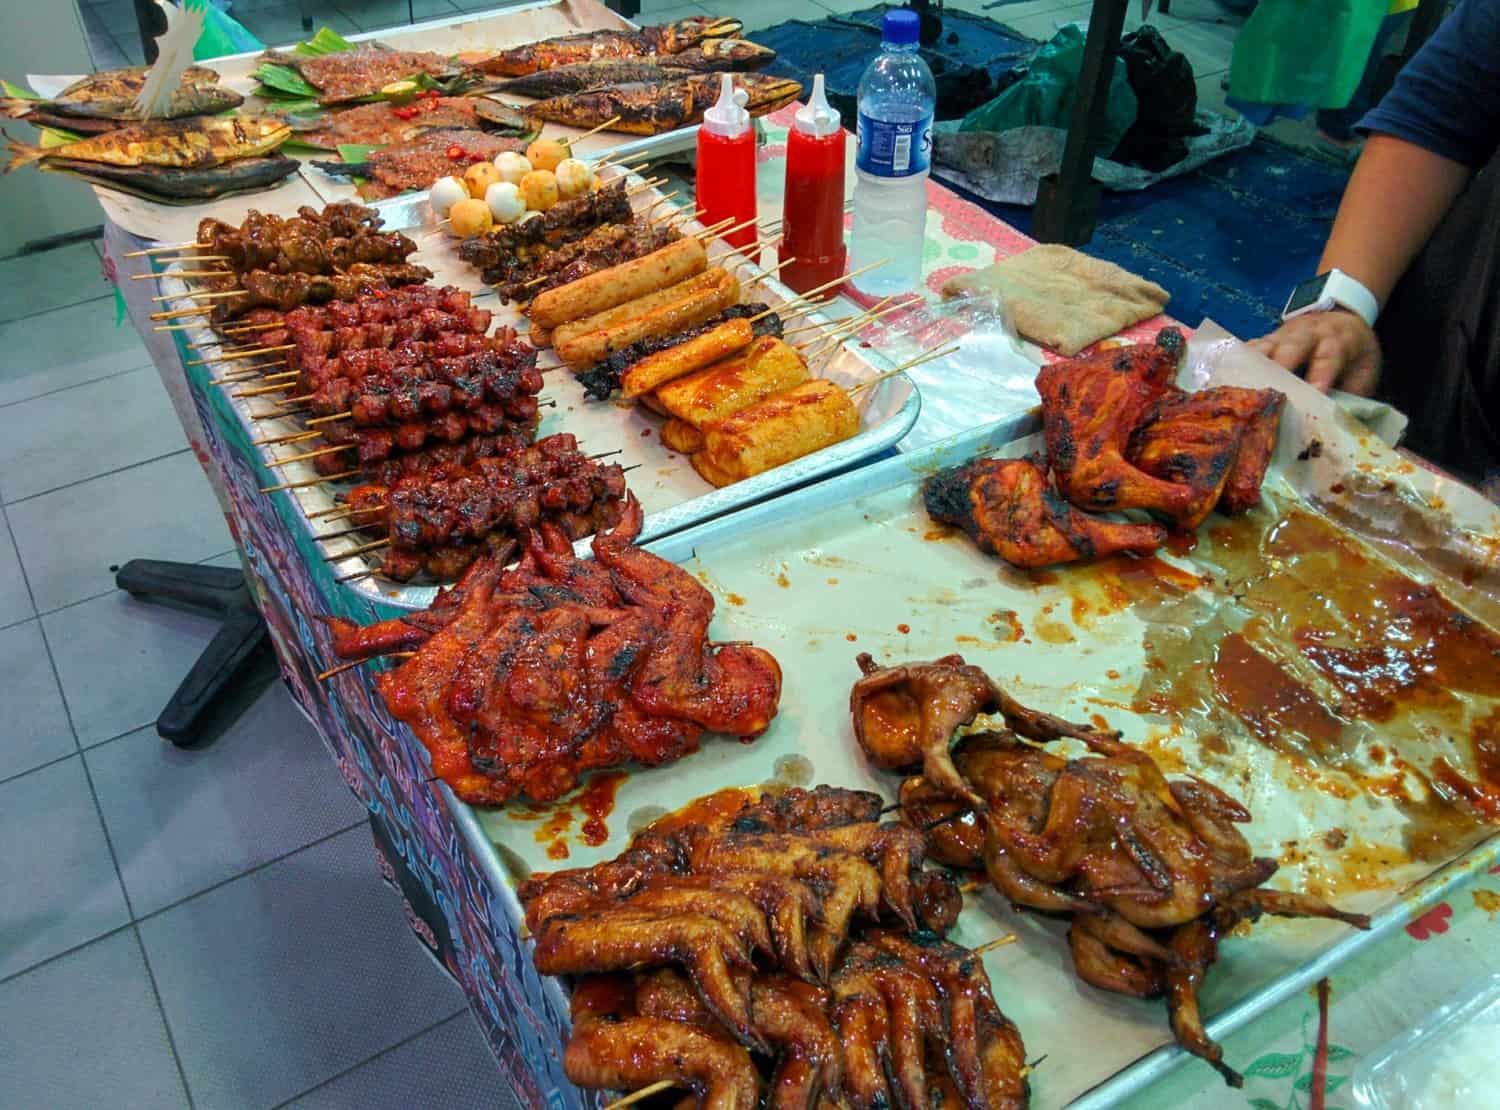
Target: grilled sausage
681,436
695,354
784,427
615,285
767,366
709,279
666,319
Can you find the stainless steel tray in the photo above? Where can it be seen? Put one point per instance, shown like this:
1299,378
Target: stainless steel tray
854,558
671,493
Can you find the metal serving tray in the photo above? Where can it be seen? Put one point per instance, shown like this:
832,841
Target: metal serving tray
671,493
853,564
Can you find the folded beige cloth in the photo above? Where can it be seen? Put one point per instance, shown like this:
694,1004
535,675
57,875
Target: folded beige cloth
1062,298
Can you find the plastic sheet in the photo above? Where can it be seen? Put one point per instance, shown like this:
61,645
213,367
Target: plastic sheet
989,377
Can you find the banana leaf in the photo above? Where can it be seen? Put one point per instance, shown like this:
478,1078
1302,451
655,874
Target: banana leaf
20,92
326,41
279,82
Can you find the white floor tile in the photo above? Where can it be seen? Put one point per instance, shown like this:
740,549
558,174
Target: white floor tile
181,821
85,1032
15,598
64,276
36,724
65,347
61,888
61,438
160,510
1042,24
120,660
406,1076
289,976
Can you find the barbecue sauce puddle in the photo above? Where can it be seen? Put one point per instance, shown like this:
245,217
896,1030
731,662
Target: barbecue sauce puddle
1364,682
593,803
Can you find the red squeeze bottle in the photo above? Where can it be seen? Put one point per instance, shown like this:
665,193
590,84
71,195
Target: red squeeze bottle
812,229
726,167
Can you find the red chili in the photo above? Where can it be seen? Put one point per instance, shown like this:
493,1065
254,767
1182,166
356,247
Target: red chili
406,113
455,152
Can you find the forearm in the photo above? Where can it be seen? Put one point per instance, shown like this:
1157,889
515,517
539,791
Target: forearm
1396,197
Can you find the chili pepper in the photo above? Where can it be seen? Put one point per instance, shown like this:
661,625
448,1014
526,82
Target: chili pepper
455,152
406,113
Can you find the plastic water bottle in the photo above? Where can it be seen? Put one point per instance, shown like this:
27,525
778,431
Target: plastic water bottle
896,100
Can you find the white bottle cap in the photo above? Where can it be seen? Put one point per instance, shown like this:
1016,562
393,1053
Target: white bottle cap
817,117
728,117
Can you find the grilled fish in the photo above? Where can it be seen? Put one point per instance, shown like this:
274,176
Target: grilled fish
650,109
669,38
346,75
563,80
385,122
717,55
110,95
167,185
181,144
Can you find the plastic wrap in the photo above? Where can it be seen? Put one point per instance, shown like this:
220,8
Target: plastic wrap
990,376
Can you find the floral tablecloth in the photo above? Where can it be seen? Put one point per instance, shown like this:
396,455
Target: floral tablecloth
459,909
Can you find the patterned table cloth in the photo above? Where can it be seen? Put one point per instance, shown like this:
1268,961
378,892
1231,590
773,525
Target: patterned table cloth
464,913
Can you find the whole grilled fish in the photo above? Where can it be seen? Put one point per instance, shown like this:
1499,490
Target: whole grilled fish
668,38
168,185
717,55
563,80
110,95
180,144
650,109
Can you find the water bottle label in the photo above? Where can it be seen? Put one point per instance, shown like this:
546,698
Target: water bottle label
893,149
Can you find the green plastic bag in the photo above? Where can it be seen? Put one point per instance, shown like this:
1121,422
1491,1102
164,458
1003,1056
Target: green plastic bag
1286,55
222,35
1044,97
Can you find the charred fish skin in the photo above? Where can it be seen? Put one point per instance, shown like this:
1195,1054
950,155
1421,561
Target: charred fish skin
582,76
110,96
175,144
181,186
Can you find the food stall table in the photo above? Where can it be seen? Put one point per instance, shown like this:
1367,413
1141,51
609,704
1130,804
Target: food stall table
465,911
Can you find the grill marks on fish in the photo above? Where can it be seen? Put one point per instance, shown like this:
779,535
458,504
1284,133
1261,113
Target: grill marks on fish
177,144
110,96
417,163
646,108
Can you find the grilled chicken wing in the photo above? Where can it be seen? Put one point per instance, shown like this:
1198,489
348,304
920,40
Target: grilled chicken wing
636,1052
1090,407
1009,508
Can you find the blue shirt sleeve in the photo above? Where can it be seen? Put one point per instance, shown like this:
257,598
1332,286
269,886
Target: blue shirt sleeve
1447,99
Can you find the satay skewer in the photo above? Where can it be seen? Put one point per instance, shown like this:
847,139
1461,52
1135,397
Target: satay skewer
644,1093
158,275
746,284
342,667
242,354
998,942
907,365
360,549
310,481
803,299
592,131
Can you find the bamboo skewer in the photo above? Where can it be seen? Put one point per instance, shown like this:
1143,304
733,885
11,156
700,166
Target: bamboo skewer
309,481
644,1093
148,251
172,314
290,437
592,131
251,353
907,365
342,667
277,464
181,274
359,549
769,273
649,183
803,299
998,942
195,258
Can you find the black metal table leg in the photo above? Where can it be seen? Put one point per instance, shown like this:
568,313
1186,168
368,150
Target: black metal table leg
1067,202
201,700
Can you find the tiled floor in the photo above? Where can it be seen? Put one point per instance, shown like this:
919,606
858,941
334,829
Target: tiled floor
181,928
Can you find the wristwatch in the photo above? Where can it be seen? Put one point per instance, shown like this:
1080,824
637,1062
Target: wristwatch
1327,291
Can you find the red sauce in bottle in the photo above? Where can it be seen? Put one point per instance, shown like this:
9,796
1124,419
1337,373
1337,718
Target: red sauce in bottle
726,169
813,212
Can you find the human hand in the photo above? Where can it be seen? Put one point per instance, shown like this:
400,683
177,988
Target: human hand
1331,349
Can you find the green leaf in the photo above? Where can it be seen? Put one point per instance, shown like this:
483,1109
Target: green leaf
1276,1065
294,144
1264,1104
20,92
355,153
1339,1052
283,81
1332,1083
48,138
326,41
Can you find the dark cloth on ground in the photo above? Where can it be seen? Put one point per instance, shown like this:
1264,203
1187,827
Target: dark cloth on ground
1447,99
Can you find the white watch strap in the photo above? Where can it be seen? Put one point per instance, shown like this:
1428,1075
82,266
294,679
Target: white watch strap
1350,293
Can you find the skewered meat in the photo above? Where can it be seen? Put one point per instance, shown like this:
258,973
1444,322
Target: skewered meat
590,46
1151,871
1009,508
606,245
289,291
521,243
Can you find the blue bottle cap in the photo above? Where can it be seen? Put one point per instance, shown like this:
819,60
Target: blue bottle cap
900,26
